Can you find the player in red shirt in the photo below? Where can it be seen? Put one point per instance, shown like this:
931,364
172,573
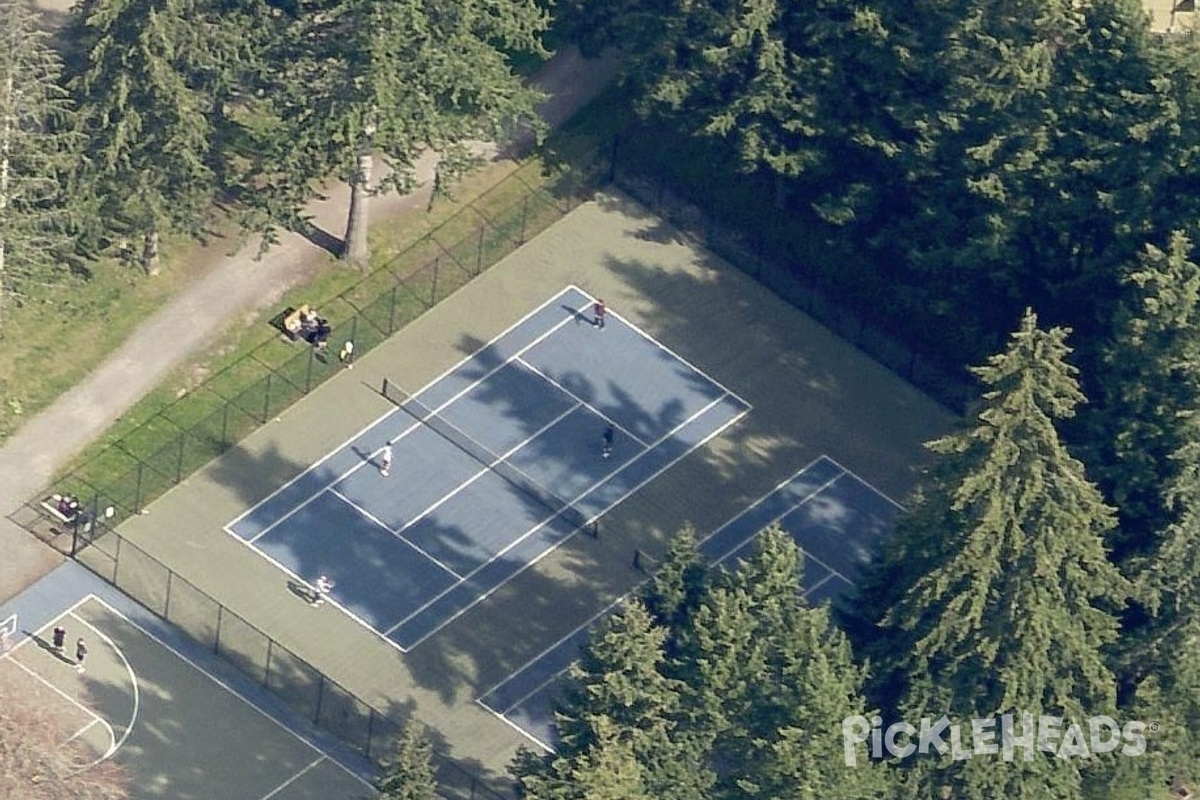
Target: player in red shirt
598,312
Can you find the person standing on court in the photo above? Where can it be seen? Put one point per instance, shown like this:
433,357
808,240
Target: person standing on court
81,652
385,460
598,312
60,638
608,441
323,586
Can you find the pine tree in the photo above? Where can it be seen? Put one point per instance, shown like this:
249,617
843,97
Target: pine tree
393,77
150,131
771,680
38,151
1018,604
677,588
619,681
409,775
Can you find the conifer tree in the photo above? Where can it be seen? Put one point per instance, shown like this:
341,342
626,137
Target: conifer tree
409,775
150,130
1014,605
770,681
38,151
393,77
619,681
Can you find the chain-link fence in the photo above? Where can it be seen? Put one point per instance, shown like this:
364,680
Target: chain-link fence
302,686
214,416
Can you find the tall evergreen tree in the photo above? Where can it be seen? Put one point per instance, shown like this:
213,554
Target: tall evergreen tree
1014,605
409,774
619,683
394,77
1151,386
675,591
150,130
38,151
770,681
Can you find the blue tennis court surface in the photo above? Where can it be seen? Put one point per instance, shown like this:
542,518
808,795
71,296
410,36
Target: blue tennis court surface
833,515
495,463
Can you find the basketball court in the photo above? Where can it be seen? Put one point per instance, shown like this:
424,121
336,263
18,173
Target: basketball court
176,728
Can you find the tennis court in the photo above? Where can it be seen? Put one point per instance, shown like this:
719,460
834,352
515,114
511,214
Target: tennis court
176,729
496,463
833,515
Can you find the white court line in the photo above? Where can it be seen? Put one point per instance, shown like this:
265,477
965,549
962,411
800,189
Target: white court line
580,400
133,682
226,687
500,458
334,482
96,718
867,484
84,730
341,447
519,730
668,350
824,581
807,555
546,651
372,518
302,580
632,491
286,783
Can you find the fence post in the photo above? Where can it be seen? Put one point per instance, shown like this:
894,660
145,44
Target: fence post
320,700
167,602
217,634
137,489
479,250
267,399
437,265
392,312
312,354
524,215
370,731
179,458
224,425
267,665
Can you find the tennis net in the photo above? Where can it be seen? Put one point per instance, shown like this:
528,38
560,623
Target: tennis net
485,456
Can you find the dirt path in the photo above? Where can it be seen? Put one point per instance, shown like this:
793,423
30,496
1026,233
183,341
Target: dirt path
229,287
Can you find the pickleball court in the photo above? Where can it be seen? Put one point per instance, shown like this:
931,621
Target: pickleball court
496,463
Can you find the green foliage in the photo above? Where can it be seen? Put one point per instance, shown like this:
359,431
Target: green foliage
1011,609
393,77
409,774
38,151
148,166
749,706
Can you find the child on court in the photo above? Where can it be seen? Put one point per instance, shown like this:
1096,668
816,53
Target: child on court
385,460
608,441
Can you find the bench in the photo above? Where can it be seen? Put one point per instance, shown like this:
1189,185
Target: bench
50,506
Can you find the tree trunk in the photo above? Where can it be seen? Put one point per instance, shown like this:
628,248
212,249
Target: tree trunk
150,260
356,250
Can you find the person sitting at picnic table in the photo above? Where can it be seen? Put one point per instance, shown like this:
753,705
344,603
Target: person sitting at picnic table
68,506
